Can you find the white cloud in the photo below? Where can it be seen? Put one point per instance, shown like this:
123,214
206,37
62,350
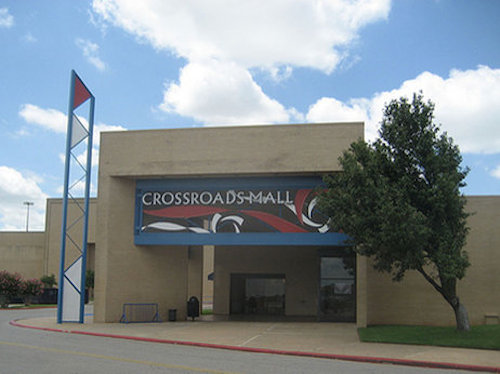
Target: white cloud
50,119
15,189
91,53
265,33
102,127
330,109
221,93
29,38
281,73
223,40
466,107
496,172
55,120
6,19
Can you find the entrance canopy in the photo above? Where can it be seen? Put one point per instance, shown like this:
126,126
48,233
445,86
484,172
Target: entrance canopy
231,211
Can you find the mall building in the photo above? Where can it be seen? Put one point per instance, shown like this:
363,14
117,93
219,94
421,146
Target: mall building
228,214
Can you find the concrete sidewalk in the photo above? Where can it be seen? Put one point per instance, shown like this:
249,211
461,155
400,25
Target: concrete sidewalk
328,340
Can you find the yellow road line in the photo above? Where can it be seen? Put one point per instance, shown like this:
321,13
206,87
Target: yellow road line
114,358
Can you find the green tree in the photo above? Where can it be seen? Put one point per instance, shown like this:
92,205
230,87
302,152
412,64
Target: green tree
399,200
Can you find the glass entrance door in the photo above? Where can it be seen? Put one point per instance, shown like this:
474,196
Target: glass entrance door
337,295
258,294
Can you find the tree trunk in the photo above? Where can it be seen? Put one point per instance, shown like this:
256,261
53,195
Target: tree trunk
448,289
461,316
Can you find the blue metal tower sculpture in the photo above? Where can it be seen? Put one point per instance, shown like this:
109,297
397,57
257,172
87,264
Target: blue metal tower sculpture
73,259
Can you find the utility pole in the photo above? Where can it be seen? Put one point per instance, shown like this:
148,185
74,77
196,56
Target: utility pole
28,204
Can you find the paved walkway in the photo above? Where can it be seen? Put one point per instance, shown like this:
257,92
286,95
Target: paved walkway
331,340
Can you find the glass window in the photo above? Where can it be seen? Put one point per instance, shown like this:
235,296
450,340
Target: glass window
338,288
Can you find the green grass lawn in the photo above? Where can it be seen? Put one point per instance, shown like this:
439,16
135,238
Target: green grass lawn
481,337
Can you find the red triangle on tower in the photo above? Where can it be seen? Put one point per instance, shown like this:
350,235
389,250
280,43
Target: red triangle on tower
81,93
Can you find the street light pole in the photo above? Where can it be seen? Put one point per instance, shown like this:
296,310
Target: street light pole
28,204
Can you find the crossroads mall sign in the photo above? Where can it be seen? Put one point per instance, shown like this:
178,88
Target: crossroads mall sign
228,211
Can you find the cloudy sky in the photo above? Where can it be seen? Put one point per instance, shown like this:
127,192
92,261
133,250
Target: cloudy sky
173,63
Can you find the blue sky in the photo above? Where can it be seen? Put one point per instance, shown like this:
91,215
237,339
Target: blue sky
175,64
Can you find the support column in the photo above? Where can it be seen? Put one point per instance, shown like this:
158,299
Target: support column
195,272
208,285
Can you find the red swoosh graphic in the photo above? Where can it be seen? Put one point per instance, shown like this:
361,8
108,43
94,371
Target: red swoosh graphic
278,223
199,211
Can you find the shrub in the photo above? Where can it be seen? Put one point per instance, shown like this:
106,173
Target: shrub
48,281
10,286
30,288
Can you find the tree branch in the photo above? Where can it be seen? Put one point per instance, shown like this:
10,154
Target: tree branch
434,284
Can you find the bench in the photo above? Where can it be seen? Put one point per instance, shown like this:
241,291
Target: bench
491,319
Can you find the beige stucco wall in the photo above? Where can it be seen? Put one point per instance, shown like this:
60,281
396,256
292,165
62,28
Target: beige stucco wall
125,273
414,301
298,149
481,285
34,254
22,252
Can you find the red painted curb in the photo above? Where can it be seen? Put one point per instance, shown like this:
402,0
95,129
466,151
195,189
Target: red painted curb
365,359
15,323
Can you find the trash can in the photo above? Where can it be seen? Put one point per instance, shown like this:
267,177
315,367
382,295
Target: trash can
193,307
172,315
